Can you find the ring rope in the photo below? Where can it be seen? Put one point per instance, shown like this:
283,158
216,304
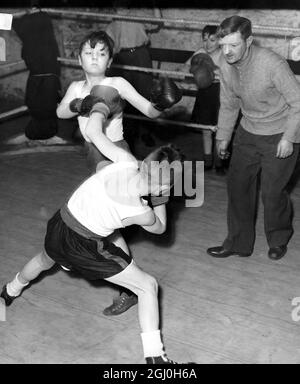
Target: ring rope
133,68
13,112
24,109
12,64
126,67
172,122
40,149
266,28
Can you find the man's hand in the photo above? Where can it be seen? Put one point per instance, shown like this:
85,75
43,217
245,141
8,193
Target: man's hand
222,148
284,149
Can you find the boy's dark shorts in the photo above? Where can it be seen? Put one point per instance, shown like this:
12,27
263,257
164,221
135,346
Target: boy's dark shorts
94,258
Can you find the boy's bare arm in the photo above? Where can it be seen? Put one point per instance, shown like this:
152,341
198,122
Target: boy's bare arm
129,93
63,109
153,221
164,94
94,131
159,224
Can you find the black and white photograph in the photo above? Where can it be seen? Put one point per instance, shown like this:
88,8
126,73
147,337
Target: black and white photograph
149,185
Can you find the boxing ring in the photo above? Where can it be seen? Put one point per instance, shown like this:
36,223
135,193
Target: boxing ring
286,32
229,311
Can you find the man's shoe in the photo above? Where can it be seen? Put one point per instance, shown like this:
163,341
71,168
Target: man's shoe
121,304
276,253
222,252
7,299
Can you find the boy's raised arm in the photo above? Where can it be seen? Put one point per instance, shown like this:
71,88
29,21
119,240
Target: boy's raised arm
94,131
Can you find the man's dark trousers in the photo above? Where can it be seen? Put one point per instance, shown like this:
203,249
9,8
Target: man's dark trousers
253,155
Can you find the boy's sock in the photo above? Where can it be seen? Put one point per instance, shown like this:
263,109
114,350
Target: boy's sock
14,288
152,344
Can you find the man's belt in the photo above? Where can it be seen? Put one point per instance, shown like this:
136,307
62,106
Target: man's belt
133,49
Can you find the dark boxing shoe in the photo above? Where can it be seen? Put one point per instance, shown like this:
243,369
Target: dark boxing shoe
163,359
276,253
5,296
120,305
221,252
159,360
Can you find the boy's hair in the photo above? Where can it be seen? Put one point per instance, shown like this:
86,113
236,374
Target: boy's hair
98,37
209,30
235,24
162,160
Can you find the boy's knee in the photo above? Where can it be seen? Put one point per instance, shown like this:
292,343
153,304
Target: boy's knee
45,261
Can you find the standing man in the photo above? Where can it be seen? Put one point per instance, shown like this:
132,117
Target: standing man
261,84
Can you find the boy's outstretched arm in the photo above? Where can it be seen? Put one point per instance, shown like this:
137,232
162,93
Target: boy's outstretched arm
164,94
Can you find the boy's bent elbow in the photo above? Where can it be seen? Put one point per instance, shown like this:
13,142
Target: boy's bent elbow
60,113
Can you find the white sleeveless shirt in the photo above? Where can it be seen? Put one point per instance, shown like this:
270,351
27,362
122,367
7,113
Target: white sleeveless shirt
113,127
93,203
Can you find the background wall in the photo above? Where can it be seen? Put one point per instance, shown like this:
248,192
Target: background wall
69,32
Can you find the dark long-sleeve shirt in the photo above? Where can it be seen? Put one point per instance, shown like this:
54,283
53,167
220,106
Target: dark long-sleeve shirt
267,92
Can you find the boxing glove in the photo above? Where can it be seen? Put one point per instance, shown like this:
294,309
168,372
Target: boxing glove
201,58
103,99
164,94
82,106
202,67
203,76
109,96
75,105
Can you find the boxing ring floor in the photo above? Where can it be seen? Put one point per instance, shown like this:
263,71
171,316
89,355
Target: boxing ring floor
235,310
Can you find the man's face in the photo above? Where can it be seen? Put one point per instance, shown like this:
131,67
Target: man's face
234,47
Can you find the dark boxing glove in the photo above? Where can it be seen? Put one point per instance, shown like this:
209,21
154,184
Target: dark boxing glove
164,94
201,58
203,76
108,96
75,105
82,106
103,99
202,67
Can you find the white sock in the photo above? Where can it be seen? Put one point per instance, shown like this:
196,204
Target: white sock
152,344
14,288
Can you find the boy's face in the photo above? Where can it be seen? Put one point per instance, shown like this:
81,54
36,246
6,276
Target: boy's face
210,43
94,60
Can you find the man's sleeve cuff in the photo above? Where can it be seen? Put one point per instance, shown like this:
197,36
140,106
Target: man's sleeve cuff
223,134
